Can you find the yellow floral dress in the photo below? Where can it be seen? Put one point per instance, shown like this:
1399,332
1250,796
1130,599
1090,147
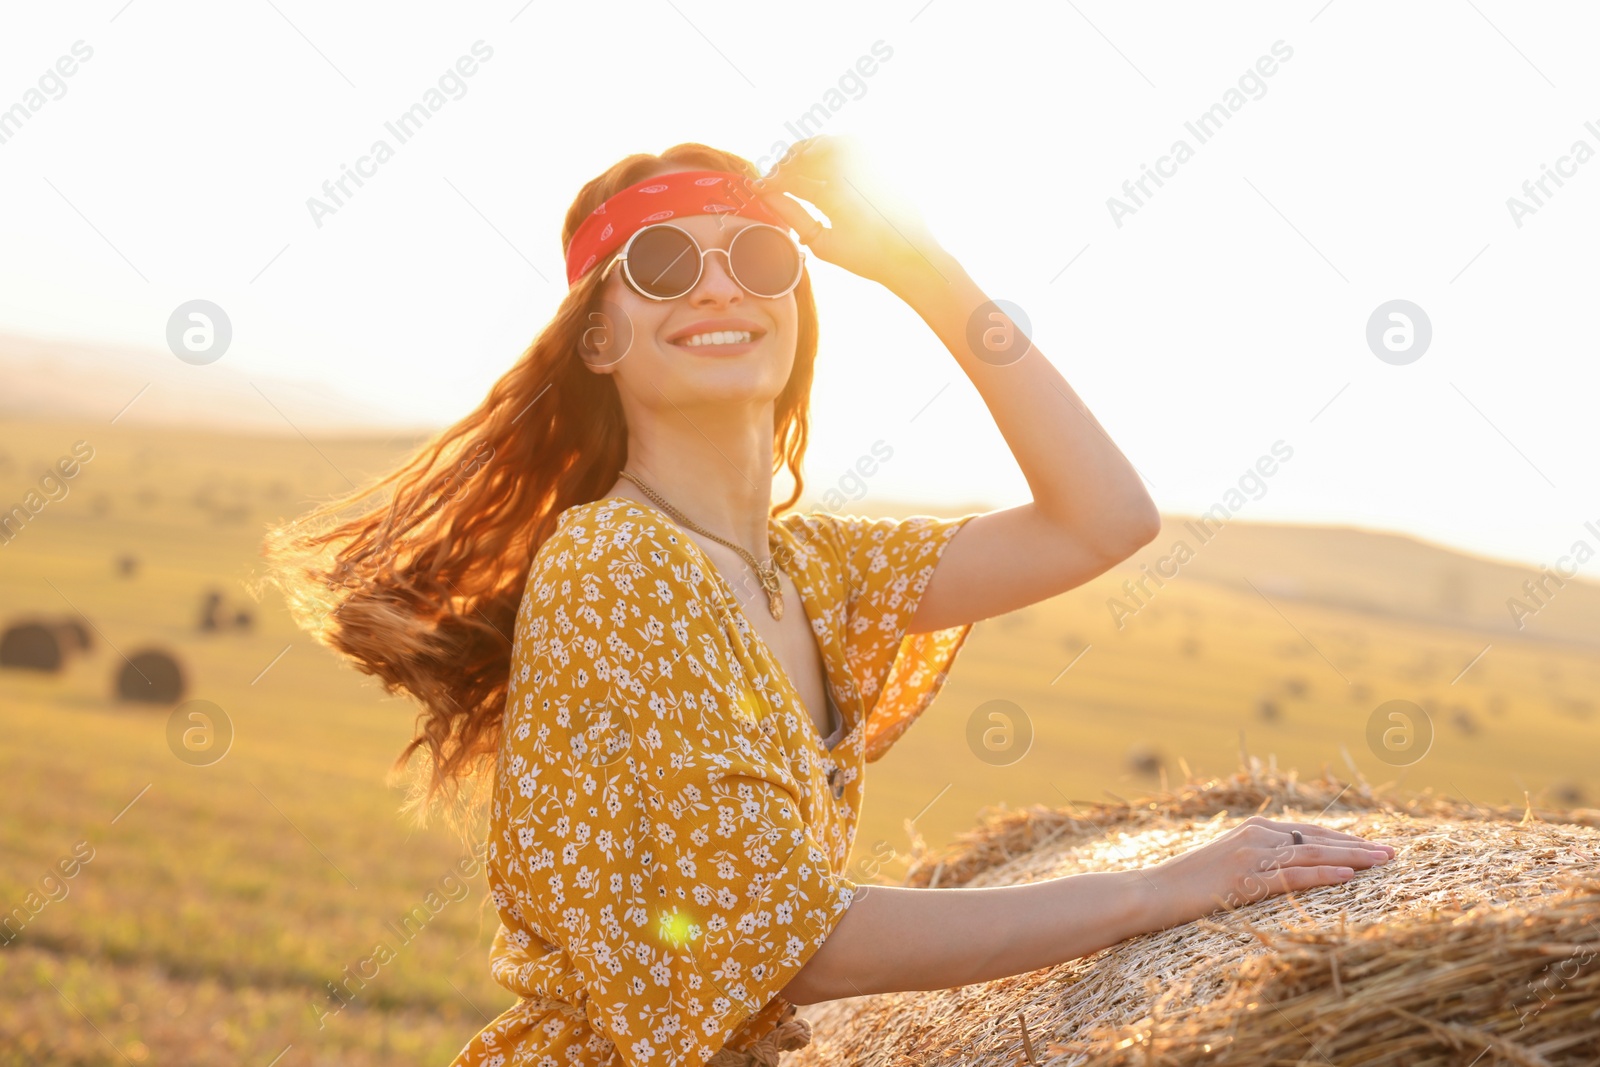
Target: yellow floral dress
669,833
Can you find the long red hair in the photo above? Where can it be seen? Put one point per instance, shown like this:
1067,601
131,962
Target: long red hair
422,588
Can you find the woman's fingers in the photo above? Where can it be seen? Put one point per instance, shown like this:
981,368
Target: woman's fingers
1312,831
812,189
790,212
818,153
794,152
1317,835
1309,855
799,220
1288,879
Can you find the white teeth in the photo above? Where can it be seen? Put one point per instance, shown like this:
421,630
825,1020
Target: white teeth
721,337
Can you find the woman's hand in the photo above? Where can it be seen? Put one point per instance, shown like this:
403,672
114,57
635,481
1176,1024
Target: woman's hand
1257,859
871,231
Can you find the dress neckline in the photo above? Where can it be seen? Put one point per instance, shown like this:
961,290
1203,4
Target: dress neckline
810,610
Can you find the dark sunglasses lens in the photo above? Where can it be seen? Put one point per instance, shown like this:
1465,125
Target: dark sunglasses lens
663,261
764,260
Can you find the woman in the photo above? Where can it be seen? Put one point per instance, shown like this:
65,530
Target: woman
697,679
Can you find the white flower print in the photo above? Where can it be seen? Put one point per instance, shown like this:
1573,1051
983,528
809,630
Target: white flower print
714,826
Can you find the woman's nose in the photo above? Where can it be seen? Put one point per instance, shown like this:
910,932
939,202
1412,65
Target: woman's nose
716,280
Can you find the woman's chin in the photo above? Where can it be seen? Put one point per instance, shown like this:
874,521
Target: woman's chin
682,376
723,384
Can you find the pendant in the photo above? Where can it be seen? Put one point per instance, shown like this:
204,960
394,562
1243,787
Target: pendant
769,582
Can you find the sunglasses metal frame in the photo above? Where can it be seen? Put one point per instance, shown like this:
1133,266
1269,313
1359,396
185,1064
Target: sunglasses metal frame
627,272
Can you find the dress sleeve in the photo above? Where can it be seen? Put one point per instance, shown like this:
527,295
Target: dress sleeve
649,828
886,565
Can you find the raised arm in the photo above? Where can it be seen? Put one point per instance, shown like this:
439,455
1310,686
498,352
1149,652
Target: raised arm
1089,509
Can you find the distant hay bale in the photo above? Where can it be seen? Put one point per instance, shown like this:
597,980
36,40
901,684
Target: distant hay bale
216,614
31,646
1267,709
223,513
45,644
211,610
1145,759
1482,936
127,565
1570,794
151,676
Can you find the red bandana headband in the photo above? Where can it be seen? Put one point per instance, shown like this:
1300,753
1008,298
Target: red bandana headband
679,195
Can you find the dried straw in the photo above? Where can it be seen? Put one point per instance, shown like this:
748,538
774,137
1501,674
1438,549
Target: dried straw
1478,944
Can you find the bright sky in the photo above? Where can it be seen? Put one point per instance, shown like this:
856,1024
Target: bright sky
1227,311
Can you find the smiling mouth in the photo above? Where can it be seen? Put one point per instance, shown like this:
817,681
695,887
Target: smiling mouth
720,339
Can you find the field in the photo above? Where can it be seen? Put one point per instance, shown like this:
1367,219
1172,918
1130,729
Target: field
219,901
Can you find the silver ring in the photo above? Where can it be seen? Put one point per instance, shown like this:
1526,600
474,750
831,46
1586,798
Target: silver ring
1299,839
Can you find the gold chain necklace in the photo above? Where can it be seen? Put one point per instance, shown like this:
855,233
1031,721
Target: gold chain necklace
767,572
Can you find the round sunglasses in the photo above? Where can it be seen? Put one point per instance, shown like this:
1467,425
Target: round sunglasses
663,261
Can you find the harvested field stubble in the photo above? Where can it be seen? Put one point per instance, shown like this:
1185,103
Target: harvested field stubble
1480,939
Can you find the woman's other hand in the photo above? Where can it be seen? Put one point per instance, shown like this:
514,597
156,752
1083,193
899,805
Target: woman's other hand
1257,859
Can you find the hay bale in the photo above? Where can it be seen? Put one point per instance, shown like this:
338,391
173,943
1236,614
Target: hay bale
216,615
151,676
1568,794
32,646
1145,759
212,613
127,565
45,644
1470,939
